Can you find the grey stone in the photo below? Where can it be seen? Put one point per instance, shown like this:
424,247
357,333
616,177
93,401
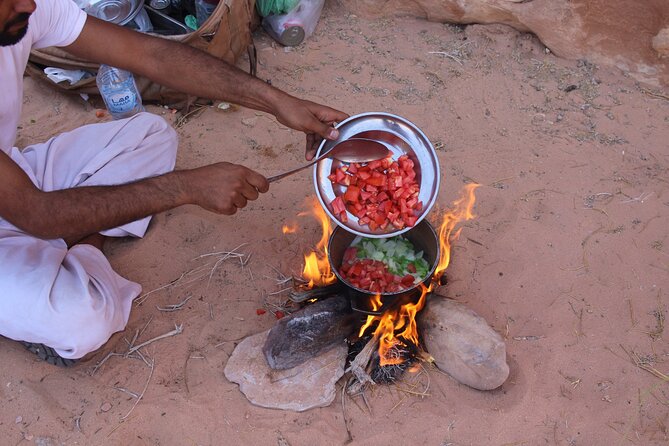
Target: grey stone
308,332
312,384
463,344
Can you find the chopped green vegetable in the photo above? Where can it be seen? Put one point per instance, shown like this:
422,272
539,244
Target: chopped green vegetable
396,252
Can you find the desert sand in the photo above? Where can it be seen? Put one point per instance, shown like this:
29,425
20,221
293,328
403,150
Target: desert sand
567,258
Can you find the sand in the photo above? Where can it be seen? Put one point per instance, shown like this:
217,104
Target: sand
568,257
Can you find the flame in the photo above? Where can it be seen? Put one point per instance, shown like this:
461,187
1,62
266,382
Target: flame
462,210
316,264
376,305
289,229
398,327
391,322
376,302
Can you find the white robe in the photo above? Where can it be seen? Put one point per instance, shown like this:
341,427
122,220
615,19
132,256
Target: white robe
71,299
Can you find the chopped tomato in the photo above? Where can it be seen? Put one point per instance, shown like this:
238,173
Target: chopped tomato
338,206
379,193
408,280
352,194
372,275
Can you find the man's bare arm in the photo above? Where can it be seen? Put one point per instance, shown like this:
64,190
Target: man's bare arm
193,71
78,212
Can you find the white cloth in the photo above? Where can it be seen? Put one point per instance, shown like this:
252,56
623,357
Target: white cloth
72,300
54,23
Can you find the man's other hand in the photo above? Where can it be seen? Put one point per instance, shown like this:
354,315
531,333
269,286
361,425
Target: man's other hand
223,187
315,120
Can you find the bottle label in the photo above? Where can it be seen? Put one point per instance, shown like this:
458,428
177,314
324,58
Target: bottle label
121,102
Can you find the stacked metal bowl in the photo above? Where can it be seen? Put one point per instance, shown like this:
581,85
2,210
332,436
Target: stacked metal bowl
120,12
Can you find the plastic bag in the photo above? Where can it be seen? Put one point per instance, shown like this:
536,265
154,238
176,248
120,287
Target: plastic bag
59,75
292,28
268,7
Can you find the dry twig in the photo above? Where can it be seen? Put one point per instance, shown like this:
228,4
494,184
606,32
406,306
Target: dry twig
139,397
175,307
177,330
645,364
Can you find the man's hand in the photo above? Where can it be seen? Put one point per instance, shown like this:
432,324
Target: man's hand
223,187
315,120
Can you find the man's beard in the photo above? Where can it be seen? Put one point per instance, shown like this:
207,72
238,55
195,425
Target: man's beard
8,38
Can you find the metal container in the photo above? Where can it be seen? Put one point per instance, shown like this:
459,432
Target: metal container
120,12
163,24
402,137
160,5
422,236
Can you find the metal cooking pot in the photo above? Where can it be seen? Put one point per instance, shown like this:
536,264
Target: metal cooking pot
422,236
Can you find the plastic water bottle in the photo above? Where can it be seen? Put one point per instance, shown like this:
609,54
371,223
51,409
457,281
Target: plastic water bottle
203,9
119,91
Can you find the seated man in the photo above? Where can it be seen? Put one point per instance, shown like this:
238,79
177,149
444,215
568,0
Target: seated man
58,199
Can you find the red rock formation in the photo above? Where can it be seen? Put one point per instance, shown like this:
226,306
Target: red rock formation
628,34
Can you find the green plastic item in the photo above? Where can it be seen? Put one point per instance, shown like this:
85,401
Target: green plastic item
269,7
191,22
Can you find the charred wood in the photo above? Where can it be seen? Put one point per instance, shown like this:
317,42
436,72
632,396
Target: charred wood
309,332
299,294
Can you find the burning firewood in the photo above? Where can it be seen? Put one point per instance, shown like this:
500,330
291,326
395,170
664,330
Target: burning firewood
301,293
360,365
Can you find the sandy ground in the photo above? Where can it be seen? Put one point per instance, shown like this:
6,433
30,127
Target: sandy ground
567,258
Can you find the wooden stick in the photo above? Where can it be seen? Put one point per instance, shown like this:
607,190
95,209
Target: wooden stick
303,295
177,330
153,362
359,366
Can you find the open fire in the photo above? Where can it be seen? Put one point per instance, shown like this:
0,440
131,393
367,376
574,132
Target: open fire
392,327
317,270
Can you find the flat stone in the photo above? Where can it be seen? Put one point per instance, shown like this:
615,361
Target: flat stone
463,344
312,384
309,332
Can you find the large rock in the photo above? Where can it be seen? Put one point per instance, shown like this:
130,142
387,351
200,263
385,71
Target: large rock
308,332
611,32
463,344
312,384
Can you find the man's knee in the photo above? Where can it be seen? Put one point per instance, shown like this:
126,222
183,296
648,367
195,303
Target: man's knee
77,335
160,136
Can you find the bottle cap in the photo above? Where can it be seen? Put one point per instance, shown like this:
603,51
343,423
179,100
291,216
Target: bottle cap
292,36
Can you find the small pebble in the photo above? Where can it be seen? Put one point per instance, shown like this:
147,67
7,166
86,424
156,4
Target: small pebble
249,122
105,407
18,419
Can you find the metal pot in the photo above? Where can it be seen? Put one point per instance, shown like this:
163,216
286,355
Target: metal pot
422,236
